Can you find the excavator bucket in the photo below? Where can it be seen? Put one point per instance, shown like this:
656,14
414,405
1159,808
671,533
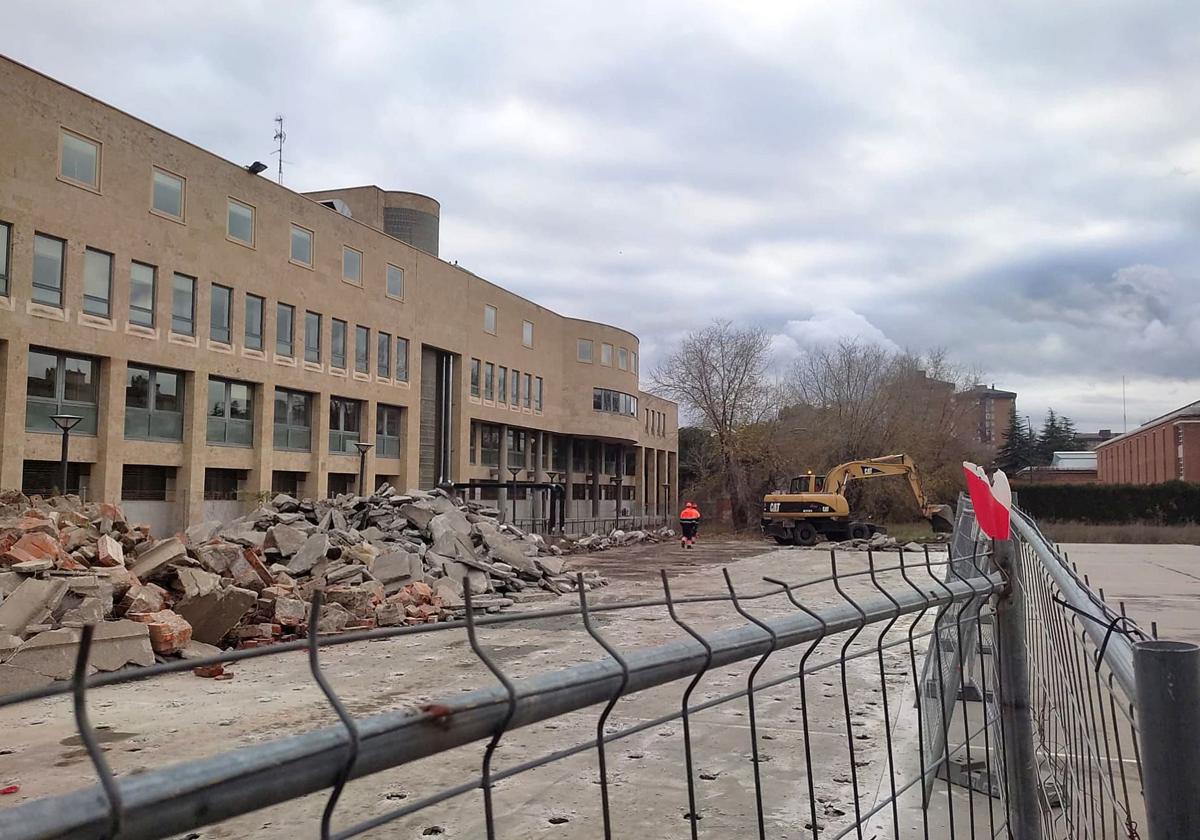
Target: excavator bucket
941,517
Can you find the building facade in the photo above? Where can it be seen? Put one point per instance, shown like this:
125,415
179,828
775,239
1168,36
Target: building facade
224,338
987,413
1165,449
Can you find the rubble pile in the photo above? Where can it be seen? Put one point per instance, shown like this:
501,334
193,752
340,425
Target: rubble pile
877,542
617,537
384,560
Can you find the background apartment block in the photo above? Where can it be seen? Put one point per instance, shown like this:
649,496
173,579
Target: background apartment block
224,337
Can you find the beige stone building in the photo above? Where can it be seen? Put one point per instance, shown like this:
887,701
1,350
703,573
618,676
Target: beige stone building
224,337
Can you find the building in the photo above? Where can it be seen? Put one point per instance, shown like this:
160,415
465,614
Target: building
987,413
1064,468
1165,449
224,338
1093,439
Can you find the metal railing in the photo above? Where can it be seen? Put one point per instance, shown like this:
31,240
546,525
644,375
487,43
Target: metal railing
986,693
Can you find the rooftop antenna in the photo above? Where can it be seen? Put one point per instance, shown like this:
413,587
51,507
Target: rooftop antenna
280,136
1124,413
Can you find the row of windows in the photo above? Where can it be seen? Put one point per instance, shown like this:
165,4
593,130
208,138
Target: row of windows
80,163
485,450
656,422
61,383
604,399
338,335
626,359
492,382
490,316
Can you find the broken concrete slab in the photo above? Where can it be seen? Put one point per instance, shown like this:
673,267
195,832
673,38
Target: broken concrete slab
513,553
30,603
32,567
199,650
144,597
152,562
419,515
451,521
195,583
550,564
397,568
201,532
249,572
89,611
285,539
217,556
314,550
215,614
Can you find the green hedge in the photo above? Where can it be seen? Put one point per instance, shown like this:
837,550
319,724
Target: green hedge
1170,503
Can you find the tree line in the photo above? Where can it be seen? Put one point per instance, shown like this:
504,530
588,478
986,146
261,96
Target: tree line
1025,448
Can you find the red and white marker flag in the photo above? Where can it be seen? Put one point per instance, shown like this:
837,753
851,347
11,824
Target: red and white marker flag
992,501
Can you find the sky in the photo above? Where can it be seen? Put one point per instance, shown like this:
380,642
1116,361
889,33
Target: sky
1014,182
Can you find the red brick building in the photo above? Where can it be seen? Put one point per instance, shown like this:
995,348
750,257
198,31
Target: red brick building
1165,449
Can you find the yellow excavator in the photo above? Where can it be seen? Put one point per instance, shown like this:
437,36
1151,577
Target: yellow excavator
815,506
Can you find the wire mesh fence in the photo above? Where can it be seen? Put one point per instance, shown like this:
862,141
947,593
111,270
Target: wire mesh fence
841,694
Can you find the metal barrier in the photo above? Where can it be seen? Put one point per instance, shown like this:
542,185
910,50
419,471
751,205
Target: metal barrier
1024,706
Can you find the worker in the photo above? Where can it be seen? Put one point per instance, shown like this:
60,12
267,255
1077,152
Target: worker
689,523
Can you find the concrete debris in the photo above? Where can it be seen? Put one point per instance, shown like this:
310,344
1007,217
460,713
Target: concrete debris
169,631
150,562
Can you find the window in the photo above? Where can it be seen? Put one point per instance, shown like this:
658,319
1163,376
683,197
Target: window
610,460
312,337
145,482
583,350
387,431
614,401
489,319
230,412
142,279
344,425
167,194
240,223
516,389
337,353
362,349
97,283
402,359
5,248
222,485
293,420
221,307
285,326
352,265
537,394
527,333
623,358
183,305
395,281
502,384
80,160
630,463
472,443
516,447
475,378
489,381
525,390
558,458
254,321
383,354
606,354
153,404
48,255
633,360
60,384
302,241
489,445
579,457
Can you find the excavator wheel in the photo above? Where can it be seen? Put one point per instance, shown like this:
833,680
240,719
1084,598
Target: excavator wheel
860,531
804,534
783,541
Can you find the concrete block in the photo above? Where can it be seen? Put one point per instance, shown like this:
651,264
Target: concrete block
152,562
109,552
30,603
215,614
313,551
201,532
216,557
285,539
169,631
197,582
419,515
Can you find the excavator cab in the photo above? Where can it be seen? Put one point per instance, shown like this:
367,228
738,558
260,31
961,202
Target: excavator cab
807,484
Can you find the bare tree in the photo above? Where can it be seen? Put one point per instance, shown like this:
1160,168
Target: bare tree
718,375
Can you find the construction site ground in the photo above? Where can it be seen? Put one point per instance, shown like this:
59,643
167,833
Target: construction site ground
157,723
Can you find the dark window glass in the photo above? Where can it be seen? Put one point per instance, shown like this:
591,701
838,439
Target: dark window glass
537,393
5,249
312,337
293,426
526,388
489,445
48,256
285,329
395,281
516,388
141,294
302,245
60,384
383,354
222,312
362,349
183,305
338,341
343,425
97,283
502,384
402,359
489,381
387,431
475,377
254,322
153,404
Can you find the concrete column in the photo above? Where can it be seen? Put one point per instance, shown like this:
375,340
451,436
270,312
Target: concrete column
569,479
110,431
317,485
14,369
258,480
366,423
597,466
503,475
189,483
650,507
663,478
538,445
640,481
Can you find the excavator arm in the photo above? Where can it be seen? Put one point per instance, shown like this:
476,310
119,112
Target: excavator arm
939,516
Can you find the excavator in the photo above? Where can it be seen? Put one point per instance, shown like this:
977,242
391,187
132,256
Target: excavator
815,506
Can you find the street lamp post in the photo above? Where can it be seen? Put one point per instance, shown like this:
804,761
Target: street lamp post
666,501
516,471
363,449
66,422
552,475
616,483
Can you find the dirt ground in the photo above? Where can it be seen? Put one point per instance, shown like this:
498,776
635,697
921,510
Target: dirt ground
178,718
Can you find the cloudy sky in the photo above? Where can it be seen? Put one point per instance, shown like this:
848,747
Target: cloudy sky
1016,182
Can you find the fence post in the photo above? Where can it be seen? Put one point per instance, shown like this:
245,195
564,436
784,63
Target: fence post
1167,675
1020,762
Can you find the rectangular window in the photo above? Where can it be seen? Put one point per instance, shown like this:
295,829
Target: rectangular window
60,384
285,328
153,404
489,381
362,349
230,412
489,445
525,390
606,354
475,378
383,354
167,197
255,306
302,245
558,459
312,337
5,249
516,447
146,482
221,309
388,431
516,389
583,350
489,319
395,281
614,401
97,283
48,256
80,160
502,384
183,305
221,485
579,457
537,394
352,265
142,279
633,361
402,359
527,333
344,425
337,352
293,420
239,223
623,358
472,443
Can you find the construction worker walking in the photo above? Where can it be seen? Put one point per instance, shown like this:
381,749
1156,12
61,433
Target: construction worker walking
689,524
